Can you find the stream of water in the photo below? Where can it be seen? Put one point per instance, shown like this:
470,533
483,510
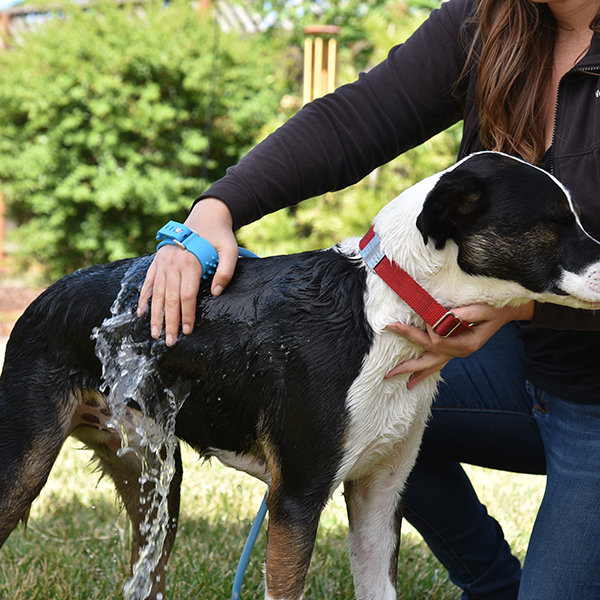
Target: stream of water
128,356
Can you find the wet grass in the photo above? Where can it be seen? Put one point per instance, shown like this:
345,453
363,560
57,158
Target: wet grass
76,545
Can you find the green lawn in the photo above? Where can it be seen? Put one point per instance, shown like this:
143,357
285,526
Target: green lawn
77,542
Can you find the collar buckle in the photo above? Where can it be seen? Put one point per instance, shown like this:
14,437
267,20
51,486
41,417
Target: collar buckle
454,324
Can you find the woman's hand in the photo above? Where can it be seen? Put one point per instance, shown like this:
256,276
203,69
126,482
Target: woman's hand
485,321
173,279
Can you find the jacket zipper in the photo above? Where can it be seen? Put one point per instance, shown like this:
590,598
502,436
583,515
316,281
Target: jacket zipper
592,70
595,70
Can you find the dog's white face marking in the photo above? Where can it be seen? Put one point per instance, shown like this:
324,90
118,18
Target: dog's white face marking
585,285
576,281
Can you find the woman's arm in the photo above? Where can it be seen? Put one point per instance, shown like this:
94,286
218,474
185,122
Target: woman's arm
333,142
174,277
563,318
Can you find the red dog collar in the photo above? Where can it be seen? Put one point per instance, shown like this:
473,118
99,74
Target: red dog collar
443,322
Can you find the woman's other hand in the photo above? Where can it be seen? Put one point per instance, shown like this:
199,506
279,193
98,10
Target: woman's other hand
174,277
485,321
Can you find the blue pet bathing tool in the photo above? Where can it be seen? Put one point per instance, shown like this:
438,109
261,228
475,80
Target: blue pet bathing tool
178,234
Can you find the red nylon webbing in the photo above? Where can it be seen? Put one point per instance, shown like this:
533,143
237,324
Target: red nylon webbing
444,322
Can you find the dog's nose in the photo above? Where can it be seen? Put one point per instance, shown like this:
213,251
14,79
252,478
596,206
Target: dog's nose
593,282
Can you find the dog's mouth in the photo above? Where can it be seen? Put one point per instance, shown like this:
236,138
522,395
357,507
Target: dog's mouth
583,288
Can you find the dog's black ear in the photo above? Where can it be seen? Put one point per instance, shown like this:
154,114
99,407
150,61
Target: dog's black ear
455,201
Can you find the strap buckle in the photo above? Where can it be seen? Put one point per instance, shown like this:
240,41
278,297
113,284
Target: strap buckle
372,253
173,232
177,234
449,315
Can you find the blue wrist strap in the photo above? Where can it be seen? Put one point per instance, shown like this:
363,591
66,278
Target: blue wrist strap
181,235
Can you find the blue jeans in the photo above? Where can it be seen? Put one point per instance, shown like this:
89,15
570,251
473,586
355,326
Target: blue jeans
487,414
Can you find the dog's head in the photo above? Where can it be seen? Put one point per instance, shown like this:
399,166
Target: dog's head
513,222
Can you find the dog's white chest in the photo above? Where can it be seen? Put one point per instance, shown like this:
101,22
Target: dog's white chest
386,418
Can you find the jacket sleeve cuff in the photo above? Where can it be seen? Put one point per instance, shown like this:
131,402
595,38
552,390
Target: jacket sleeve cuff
242,210
562,318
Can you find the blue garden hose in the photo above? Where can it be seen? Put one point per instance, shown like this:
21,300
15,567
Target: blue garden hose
245,557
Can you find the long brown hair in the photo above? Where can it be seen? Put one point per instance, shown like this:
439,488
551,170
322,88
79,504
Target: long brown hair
514,52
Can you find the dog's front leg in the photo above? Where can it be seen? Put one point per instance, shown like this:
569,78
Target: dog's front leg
375,517
293,523
374,505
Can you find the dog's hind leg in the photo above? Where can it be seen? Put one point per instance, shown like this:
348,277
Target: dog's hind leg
293,523
34,423
126,473
24,472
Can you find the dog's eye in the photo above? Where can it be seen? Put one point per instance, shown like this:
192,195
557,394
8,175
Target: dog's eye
565,219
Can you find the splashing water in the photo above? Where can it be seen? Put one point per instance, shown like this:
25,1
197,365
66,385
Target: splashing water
129,358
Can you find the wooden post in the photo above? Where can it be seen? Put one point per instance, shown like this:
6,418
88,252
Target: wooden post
318,87
319,61
331,63
204,5
308,71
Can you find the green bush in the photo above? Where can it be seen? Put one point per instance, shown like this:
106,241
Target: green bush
104,126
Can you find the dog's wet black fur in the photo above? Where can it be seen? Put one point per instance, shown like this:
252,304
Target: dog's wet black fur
263,361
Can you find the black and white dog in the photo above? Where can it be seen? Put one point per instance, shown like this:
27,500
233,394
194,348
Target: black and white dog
285,371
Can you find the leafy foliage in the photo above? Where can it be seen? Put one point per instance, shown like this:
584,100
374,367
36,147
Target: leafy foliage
105,130
349,15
